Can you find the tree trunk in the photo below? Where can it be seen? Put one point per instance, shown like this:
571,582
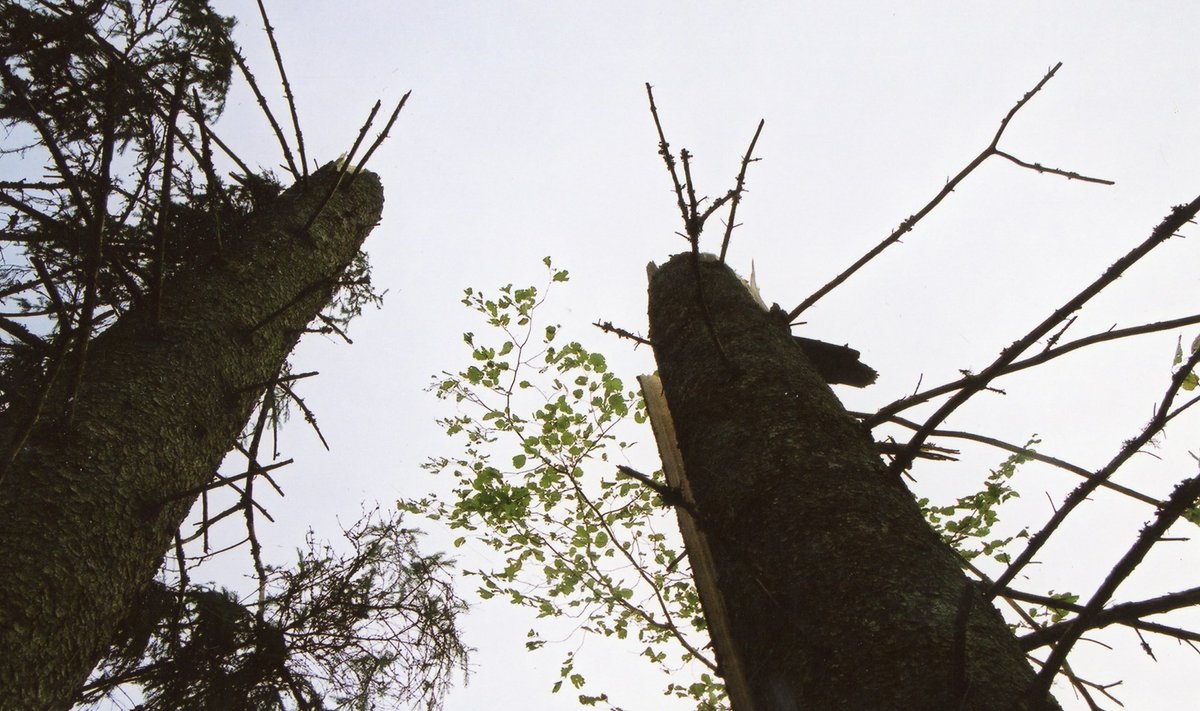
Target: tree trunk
88,508
838,594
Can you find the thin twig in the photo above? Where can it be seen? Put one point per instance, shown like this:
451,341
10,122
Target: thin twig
908,224
266,109
1068,174
309,416
739,188
664,150
380,138
287,89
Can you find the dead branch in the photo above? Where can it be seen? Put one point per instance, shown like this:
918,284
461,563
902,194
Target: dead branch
345,164
664,150
1129,614
1050,353
1179,216
1183,498
309,416
266,109
608,327
287,89
907,225
735,195
1025,452
164,199
1085,489
381,137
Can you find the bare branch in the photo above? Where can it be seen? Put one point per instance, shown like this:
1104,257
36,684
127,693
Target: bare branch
1127,613
344,166
664,150
381,137
1183,498
266,109
735,195
1069,175
1025,452
608,327
1179,216
49,141
948,188
287,88
1085,489
887,412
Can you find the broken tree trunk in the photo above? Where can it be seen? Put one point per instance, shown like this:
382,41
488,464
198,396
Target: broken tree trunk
88,507
838,594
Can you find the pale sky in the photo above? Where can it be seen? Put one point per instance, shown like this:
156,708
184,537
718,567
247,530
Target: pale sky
527,134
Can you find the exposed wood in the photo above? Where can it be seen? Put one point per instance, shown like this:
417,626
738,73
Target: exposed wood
696,545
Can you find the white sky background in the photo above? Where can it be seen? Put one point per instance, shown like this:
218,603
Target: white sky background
528,134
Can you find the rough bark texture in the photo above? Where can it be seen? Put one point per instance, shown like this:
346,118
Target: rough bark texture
83,523
840,595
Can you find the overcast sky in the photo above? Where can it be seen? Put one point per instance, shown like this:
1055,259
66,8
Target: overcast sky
528,134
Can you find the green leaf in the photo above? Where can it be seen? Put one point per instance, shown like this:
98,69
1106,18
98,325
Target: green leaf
519,461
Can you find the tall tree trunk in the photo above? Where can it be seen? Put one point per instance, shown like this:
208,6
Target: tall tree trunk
88,508
838,594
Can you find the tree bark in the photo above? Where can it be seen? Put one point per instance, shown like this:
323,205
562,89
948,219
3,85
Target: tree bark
838,594
89,507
